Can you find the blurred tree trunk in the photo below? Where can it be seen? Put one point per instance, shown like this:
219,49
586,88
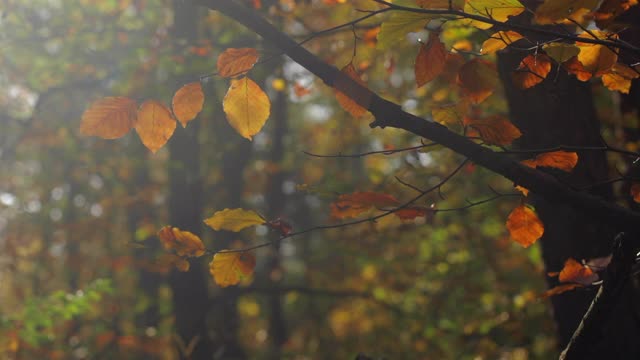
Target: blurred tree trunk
190,289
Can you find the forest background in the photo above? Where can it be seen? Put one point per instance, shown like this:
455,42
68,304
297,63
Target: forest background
364,238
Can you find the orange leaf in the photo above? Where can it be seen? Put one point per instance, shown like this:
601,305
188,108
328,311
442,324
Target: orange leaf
524,226
619,78
523,190
559,290
247,107
532,70
553,11
573,66
610,9
478,79
495,130
575,272
563,160
430,60
635,192
155,124
499,41
236,62
412,212
596,59
228,268
109,118
187,102
352,205
345,101
184,243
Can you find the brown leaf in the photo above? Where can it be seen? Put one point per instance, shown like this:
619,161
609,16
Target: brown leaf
412,212
155,124
532,70
228,268
610,9
478,79
563,160
559,290
575,272
184,243
573,66
495,130
236,62
353,204
635,192
187,102
109,118
345,101
430,61
524,226
553,11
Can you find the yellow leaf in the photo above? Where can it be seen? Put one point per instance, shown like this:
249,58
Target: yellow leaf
553,11
478,79
187,102
495,130
499,41
155,124
109,118
499,10
235,62
430,60
561,52
396,27
345,101
247,107
596,59
228,268
184,243
619,78
524,226
234,219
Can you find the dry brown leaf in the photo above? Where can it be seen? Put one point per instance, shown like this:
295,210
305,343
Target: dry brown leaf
184,243
345,101
495,130
109,117
236,62
532,70
187,102
524,226
575,272
478,79
155,125
430,61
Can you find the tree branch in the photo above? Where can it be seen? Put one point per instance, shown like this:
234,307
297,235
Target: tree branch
390,114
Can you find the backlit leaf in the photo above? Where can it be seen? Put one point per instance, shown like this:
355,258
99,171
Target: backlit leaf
155,125
532,70
495,130
553,11
228,268
595,58
524,226
563,160
610,9
575,67
499,10
184,243
236,62
353,204
430,60
619,78
478,79
345,101
398,25
187,102
561,52
499,41
234,219
109,117
575,272
247,107
559,290
635,192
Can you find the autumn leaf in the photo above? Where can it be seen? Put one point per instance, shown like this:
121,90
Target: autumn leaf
561,52
412,212
396,27
563,160
247,107
495,130
532,70
451,115
353,204
109,117
430,60
499,41
524,226
635,192
596,58
234,219
499,10
345,101
168,261
610,9
559,290
575,272
575,67
523,190
478,79
619,78
187,102
236,62
228,268
281,226
553,11
440,4
184,243
155,125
